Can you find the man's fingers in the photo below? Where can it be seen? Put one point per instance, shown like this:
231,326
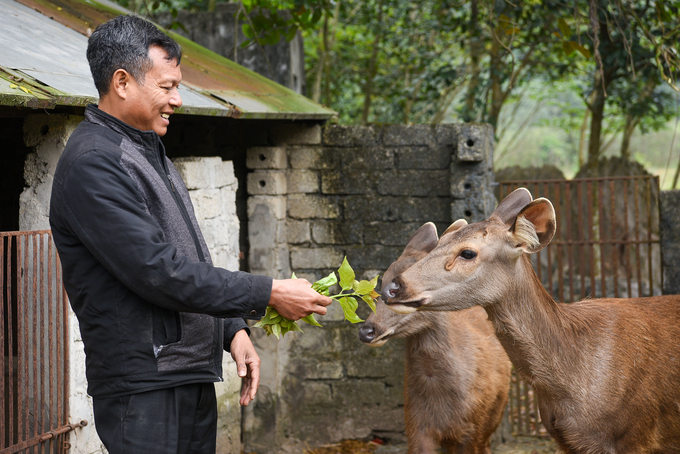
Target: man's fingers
255,382
325,301
321,310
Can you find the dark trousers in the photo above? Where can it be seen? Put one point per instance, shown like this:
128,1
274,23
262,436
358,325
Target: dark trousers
176,420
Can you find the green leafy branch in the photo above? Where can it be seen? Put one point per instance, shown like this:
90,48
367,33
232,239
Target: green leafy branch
351,292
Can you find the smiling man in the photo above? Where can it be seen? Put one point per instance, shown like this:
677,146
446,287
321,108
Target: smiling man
155,315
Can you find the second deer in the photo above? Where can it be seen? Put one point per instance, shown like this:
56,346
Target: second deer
457,374
606,371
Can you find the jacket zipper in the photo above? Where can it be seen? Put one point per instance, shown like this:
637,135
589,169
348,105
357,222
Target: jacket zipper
179,202
197,244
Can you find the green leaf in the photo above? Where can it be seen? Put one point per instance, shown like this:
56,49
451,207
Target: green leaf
584,51
346,275
291,31
248,31
276,329
369,300
293,276
568,47
311,320
364,287
349,307
564,28
322,285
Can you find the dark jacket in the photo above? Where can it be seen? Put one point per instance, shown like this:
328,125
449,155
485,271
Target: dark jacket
153,311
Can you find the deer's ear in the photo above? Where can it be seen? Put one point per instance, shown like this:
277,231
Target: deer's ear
535,225
460,223
421,243
511,205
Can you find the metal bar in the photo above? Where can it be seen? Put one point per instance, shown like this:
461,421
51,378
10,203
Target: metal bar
627,251
52,329
637,237
548,253
558,249
567,232
10,344
615,260
27,327
603,273
628,177
43,438
3,406
591,251
649,236
34,323
582,236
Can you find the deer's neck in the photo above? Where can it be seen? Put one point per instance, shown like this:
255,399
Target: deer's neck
542,339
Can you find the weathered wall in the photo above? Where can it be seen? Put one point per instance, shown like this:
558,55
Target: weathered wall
670,240
321,194
218,31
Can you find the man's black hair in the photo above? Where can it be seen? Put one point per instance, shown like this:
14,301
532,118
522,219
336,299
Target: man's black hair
123,43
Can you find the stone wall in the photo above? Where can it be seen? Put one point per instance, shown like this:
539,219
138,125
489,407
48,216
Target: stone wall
360,192
670,240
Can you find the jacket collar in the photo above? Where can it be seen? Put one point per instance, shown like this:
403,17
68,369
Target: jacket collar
97,116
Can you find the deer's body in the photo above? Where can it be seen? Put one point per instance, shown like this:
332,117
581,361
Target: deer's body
606,372
457,374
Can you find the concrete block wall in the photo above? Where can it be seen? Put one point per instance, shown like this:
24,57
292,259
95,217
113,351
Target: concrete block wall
212,187
319,194
669,227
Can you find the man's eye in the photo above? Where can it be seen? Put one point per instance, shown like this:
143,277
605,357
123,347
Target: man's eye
468,254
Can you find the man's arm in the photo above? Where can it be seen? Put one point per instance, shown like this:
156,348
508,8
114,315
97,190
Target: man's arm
98,207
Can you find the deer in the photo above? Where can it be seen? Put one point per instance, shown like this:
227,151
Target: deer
457,374
606,371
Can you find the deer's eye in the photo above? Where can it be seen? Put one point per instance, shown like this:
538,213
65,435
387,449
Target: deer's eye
467,254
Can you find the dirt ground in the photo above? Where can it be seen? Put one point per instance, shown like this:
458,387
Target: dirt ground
526,445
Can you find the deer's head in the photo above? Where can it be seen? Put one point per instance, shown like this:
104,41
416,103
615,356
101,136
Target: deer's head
384,323
474,264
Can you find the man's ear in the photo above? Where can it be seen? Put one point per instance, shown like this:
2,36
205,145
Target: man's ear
120,82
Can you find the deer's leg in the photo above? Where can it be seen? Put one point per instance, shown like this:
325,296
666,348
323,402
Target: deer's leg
420,443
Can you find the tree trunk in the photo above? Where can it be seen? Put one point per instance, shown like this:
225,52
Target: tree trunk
582,138
631,123
597,111
497,95
475,47
372,68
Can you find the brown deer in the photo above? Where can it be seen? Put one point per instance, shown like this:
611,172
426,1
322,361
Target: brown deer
457,374
606,371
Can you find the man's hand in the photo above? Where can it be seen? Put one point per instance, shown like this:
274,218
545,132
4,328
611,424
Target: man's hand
247,365
294,299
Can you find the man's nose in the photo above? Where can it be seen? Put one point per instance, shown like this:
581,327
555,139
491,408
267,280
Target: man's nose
176,99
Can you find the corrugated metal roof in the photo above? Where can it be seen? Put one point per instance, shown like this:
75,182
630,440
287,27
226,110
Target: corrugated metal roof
43,64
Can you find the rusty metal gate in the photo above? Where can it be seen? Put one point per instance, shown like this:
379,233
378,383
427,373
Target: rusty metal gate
34,339
606,245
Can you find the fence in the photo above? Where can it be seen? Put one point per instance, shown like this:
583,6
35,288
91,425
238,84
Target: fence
606,245
34,340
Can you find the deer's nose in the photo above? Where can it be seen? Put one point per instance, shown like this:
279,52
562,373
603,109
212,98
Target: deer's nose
390,290
366,333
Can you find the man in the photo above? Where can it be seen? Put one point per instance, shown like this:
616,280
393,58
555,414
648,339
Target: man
154,313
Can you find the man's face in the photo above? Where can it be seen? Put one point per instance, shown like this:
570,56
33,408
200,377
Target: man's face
150,104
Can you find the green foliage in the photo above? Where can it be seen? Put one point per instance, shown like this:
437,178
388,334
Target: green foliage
351,292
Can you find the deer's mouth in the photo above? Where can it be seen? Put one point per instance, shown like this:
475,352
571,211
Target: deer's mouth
405,307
